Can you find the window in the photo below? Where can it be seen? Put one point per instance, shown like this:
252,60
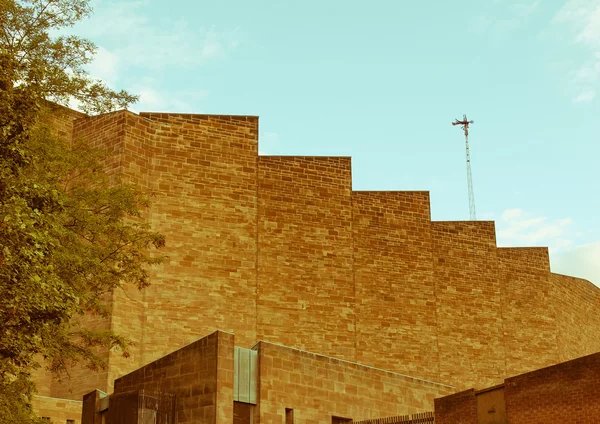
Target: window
289,416
340,420
70,421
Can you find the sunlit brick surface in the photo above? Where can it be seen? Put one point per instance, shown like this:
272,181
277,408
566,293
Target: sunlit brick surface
281,249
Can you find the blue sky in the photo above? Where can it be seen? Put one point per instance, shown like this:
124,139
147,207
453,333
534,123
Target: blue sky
381,81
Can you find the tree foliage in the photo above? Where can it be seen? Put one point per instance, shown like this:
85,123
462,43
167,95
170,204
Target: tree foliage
69,235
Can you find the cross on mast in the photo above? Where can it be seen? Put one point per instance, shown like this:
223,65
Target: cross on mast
465,127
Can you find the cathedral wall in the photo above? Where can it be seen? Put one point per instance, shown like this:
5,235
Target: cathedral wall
577,305
204,175
468,300
529,320
306,291
281,249
394,278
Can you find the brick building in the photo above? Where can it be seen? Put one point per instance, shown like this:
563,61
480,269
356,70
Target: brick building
567,393
280,249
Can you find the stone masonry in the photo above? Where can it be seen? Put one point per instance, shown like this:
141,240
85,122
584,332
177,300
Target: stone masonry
281,249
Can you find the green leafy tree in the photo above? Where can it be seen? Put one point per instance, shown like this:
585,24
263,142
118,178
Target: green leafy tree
69,234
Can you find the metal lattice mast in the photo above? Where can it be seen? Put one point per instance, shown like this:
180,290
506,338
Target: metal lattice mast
465,126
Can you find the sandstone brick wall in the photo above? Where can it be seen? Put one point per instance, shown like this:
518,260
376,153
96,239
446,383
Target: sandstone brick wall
281,249
468,301
577,304
104,132
568,393
529,320
204,174
393,275
317,387
58,410
305,254
199,374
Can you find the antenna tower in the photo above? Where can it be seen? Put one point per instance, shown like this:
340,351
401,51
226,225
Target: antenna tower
465,126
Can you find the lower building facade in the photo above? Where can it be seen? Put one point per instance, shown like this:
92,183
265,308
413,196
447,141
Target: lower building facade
214,381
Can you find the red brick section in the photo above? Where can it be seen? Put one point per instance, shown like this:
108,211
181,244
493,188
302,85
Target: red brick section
318,387
567,393
470,339
529,319
576,302
393,271
306,290
459,408
204,175
200,375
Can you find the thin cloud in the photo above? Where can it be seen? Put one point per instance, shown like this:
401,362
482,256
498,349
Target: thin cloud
155,44
525,9
516,227
585,97
153,100
581,18
129,43
582,262
105,67
504,18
